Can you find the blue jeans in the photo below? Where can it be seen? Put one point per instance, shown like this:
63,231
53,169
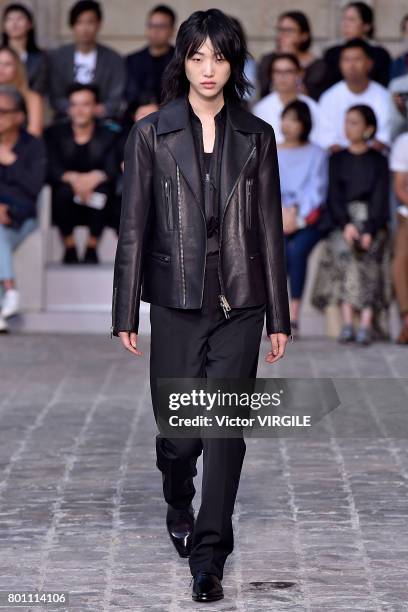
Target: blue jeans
10,238
298,248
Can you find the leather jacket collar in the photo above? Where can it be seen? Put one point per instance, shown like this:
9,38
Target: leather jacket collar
239,144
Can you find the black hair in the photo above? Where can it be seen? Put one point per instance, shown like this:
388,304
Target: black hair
303,115
81,7
75,87
366,14
284,56
358,43
226,39
166,10
31,46
302,21
145,98
367,114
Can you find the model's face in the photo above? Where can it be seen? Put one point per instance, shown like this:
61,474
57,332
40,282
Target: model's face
285,76
159,30
352,26
289,36
291,127
10,118
356,128
86,28
7,68
82,108
354,65
16,24
207,71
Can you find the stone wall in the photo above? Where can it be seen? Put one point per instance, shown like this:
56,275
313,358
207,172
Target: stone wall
124,20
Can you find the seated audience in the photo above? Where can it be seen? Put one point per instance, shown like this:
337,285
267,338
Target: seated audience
303,179
83,167
19,35
285,75
399,65
355,88
22,175
12,72
294,36
87,61
351,271
144,68
358,22
399,166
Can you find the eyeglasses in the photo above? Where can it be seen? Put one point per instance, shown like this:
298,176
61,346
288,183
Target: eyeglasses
288,72
282,30
157,26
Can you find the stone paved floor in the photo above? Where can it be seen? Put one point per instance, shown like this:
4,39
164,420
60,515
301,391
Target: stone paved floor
81,508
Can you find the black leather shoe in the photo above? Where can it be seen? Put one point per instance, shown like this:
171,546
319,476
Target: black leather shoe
70,256
91,256
180,525
207,587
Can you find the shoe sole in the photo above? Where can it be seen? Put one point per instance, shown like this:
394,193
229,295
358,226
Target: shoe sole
200,598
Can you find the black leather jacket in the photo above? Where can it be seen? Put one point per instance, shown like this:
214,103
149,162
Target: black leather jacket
161,250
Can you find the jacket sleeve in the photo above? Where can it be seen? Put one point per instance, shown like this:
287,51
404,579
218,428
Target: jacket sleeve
272,244
137,197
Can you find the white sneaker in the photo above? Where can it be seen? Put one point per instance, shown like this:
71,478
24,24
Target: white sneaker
11,303
3,325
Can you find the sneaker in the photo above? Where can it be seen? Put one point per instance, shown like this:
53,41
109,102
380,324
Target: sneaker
11,303
346,334
363,336
91,256
70,256
3,326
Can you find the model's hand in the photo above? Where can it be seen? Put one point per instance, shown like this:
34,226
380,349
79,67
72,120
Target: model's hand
278,342
129,341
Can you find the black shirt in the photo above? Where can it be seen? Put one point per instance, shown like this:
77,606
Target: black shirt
362,177
210,172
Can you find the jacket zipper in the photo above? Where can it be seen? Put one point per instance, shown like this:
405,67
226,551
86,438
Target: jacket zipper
113,311
223,300
248,202
168,203
183,279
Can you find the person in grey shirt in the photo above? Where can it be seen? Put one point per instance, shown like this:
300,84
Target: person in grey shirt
86,61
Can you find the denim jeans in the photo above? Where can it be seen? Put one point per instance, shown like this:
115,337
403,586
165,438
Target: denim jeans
10,238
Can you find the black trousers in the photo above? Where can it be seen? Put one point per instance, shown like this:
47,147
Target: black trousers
66,214
203,343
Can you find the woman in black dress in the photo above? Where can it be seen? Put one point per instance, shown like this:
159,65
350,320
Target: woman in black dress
351,270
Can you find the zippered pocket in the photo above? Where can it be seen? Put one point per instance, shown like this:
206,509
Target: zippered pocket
160,256
248,202
168,201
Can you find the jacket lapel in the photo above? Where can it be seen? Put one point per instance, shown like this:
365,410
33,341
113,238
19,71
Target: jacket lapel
174,120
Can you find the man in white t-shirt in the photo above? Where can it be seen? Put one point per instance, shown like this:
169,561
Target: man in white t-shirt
286,74
399,166
86,61
355,88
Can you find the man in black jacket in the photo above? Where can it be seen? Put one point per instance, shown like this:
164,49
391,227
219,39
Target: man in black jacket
144,68
82,170
201,239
